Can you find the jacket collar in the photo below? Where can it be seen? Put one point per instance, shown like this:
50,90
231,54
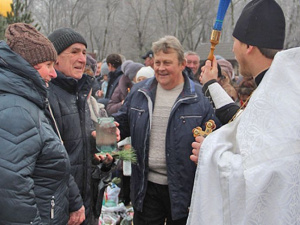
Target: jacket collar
72,85
259,77
67,83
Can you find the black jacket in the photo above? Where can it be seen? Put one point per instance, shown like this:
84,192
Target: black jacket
34,165
113,81
68,99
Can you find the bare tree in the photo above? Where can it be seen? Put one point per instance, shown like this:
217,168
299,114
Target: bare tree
138,17
102,25
164,14
200,16
53,14
292,15
129,27
188,20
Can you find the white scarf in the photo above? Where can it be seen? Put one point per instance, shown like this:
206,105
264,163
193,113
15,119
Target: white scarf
249,170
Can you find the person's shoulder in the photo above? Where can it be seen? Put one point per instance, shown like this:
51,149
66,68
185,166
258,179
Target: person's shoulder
18,108
53,88
11,100
145,84
118,71
198,86
194,86
124,78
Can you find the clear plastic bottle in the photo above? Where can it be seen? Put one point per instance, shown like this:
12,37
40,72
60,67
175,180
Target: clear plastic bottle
106,138
127,168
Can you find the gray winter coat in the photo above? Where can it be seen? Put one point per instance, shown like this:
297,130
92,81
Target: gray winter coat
34,165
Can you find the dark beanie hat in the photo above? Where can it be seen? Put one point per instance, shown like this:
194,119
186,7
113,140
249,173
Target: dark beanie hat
261,24
130,68
25,40
62,38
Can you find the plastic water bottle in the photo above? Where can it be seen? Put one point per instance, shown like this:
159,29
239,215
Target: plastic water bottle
126,168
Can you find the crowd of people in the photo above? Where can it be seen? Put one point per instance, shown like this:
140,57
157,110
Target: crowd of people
52,94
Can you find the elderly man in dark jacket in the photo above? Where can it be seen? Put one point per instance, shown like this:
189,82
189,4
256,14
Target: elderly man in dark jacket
68,98
159,114
34,165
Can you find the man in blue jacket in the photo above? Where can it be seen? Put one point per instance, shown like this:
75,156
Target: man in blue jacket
159,114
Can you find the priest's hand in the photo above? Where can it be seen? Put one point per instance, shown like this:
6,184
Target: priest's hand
209,71
196,148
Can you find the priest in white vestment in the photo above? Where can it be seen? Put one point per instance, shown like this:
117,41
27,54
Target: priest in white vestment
249,170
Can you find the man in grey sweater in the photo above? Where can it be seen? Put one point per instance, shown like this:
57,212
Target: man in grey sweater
159,114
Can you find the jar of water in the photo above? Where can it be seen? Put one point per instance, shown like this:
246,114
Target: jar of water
106,138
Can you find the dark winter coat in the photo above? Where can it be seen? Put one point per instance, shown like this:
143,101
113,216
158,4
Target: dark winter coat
68,98
34,165
119,95
190,110
96,86
113,81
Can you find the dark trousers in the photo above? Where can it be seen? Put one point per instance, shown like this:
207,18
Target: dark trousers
156,208
125,190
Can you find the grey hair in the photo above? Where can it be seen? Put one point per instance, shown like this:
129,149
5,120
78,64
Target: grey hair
168,43
191,53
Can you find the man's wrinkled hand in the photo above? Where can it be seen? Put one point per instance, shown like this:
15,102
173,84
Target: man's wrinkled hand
107,159
77,217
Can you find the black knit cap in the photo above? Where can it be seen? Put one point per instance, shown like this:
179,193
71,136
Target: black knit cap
29,43
62,38
261,24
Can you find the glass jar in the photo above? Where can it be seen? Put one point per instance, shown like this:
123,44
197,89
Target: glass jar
106,138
